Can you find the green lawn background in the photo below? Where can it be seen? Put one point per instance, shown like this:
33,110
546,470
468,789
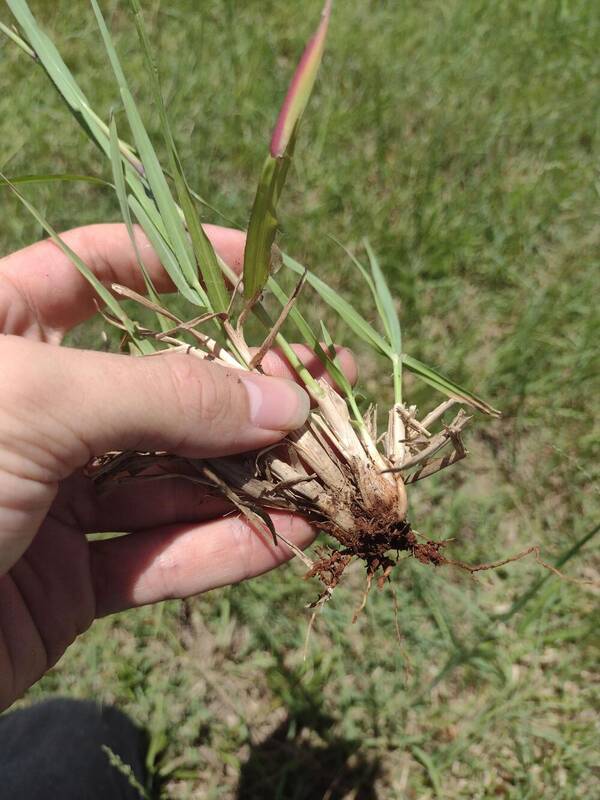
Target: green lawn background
462,137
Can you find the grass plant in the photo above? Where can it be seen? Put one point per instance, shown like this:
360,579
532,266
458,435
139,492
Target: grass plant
332,470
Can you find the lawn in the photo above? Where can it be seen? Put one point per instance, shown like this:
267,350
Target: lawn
462,137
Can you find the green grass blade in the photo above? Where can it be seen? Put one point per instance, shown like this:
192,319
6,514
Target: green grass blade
262,315
47,53
177,238
78,105
310,339
121,191
103,293
363,271
329,361
343,308
20,42
203,250
205,255
396,355
377,295
204,202
339,376
108,45
57,71
54,177
61,77
262,228
389,317
369,335
165,254
447,386
432,770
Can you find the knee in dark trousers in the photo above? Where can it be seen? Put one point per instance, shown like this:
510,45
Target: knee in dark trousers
57,749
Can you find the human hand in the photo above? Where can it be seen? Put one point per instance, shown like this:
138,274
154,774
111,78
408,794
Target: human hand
60,406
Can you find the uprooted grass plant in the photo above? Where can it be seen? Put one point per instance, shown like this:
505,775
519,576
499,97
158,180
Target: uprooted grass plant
339,470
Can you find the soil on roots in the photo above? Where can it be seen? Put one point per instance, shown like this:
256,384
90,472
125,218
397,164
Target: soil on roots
372,541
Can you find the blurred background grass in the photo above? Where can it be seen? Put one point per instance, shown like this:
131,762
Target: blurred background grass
462,137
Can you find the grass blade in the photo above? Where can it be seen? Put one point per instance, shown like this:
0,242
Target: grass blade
165,254
10,34
177,238
103,293
263,218
203,250
396,352
389,317
262,228
369,335
447,386
343,308
339,376
121,191
432,771
46,53
53,177
176,234
301,87
310,339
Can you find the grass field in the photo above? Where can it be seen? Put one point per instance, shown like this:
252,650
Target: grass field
462,137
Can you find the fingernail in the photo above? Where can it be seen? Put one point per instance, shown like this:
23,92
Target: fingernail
276,404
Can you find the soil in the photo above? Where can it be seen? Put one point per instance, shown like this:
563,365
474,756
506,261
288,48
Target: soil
373,544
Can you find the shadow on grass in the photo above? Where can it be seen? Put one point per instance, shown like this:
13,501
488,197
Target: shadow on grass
303,759
298,762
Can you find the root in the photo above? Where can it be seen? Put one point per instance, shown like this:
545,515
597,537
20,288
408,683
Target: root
331,567
309,630
535,550
365,597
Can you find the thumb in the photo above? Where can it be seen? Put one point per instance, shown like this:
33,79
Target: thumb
83,403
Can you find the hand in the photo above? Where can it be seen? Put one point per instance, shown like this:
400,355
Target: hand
60,406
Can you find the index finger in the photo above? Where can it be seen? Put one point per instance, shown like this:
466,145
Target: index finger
43,295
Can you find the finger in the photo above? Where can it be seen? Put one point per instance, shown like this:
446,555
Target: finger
183,560
136,505
43,295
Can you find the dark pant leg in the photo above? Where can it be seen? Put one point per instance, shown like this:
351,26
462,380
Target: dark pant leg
54,751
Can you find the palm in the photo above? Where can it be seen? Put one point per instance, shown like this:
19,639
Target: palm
46,600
